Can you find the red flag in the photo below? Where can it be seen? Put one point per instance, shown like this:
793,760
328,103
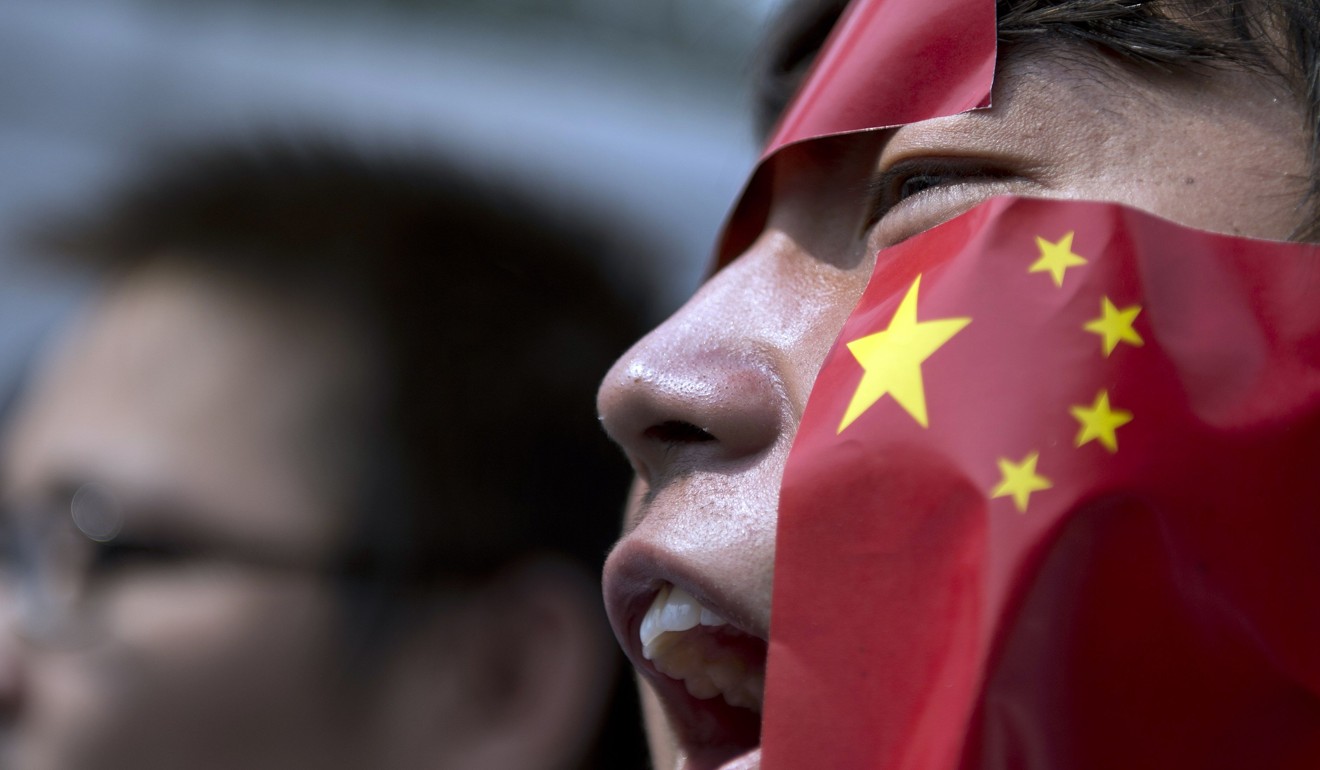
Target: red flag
1055,503
890,62
887,62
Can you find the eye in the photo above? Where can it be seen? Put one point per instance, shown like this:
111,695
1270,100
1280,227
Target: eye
919,183
903,181
917,194
118,554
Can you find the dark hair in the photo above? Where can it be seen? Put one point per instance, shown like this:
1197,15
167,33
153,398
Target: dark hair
1280,36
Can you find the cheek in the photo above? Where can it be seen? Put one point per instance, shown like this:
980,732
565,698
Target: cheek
1220,173
827,312
808,312
224,613
1256,201
1209,199
182,662
250,643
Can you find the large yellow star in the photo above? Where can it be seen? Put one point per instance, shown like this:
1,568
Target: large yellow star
1100,422
892,359
1116,325
1056,258
1020,480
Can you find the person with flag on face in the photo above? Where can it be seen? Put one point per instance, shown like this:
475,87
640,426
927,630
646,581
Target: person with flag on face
1008,374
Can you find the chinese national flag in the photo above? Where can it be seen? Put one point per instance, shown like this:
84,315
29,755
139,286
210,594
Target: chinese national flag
886,63
1055,503
890,62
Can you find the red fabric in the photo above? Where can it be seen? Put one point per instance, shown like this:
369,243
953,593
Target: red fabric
941,53
1156,606
887,63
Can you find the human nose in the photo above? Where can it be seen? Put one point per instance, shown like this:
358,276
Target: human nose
705,389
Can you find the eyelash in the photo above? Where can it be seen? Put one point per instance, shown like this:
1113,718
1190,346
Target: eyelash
892,187
112,556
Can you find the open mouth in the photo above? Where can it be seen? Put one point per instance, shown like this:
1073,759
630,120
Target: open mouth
710,675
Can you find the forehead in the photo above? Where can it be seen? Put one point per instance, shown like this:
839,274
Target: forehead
183,387
1071,104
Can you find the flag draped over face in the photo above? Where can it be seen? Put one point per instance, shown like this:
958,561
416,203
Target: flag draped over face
1055,498
887,63
895,62
1055,503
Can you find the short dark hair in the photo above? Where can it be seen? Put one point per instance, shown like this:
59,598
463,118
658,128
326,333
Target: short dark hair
1280,36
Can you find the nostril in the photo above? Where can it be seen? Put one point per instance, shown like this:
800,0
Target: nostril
672,404
677,432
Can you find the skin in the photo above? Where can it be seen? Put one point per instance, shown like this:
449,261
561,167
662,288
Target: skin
162,361
221,416
738,360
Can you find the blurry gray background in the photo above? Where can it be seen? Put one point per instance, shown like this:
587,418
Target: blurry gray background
637,110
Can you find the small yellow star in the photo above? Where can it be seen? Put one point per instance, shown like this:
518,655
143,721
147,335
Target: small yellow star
1116,325
1020,480
1100,422
1056,258
892,359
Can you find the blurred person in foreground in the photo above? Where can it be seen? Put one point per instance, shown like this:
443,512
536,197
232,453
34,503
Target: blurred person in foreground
991,441
315,481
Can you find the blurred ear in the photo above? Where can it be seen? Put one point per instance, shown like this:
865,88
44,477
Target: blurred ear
513,676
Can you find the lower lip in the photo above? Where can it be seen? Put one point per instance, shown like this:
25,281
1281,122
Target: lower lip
749,761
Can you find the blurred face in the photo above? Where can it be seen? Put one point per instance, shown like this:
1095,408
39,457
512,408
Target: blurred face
204,636
707,405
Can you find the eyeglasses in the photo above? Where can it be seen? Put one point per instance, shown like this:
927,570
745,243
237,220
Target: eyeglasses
59,560
48,557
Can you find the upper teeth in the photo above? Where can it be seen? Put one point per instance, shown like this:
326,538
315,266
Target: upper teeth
673,610
706,663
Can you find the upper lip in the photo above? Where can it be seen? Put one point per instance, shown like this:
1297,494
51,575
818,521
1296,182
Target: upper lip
634,573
